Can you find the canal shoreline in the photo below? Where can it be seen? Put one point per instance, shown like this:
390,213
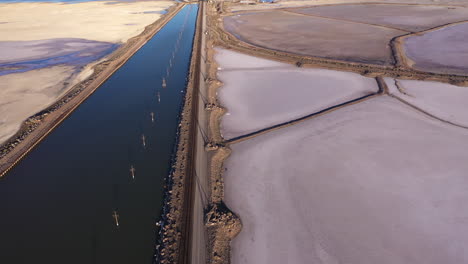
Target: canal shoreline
175,237
38,126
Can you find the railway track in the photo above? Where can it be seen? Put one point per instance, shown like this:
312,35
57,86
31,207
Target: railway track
186,243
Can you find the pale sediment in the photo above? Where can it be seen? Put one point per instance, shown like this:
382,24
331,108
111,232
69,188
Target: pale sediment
35,128
439,50
218,228
224,38
92,20
354,185
39,36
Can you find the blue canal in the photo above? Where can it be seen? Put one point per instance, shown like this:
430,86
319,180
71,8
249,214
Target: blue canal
92,191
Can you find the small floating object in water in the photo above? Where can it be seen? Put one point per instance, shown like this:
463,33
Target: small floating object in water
132,171
115,215
143,140
158,223
152,117
164,82
159,97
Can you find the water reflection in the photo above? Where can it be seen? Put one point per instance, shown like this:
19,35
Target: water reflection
76,183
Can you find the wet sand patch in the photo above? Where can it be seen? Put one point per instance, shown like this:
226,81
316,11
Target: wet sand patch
21,56
24,94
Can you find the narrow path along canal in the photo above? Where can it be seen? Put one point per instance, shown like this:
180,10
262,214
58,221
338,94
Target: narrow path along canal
110,157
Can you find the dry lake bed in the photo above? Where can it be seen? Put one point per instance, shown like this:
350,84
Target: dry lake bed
378,180
46,48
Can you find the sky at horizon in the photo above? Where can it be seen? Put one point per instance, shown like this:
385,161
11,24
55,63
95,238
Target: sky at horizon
63,1
58,1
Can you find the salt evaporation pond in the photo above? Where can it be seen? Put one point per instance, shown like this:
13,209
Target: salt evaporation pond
441,51
314,36
57,204
273,92
443,100
374,182
408,17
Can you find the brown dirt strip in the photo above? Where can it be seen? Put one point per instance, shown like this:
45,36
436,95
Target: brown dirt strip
192,147
229,41
176,233
222,224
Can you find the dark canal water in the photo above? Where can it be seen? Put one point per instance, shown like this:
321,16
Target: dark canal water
57,205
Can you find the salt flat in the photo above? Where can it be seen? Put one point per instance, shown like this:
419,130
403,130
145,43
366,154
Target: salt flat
45,48
405,17
302,3
273,93
314,36
236,60
375,182
441,51
99,20
448,102
24,94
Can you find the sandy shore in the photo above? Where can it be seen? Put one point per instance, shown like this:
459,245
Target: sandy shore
39,37
100,20
48,84
38,126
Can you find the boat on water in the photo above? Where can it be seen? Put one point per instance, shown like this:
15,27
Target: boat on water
115,215
164,83
132,171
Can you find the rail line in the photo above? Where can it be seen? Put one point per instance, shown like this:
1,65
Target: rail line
190,172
